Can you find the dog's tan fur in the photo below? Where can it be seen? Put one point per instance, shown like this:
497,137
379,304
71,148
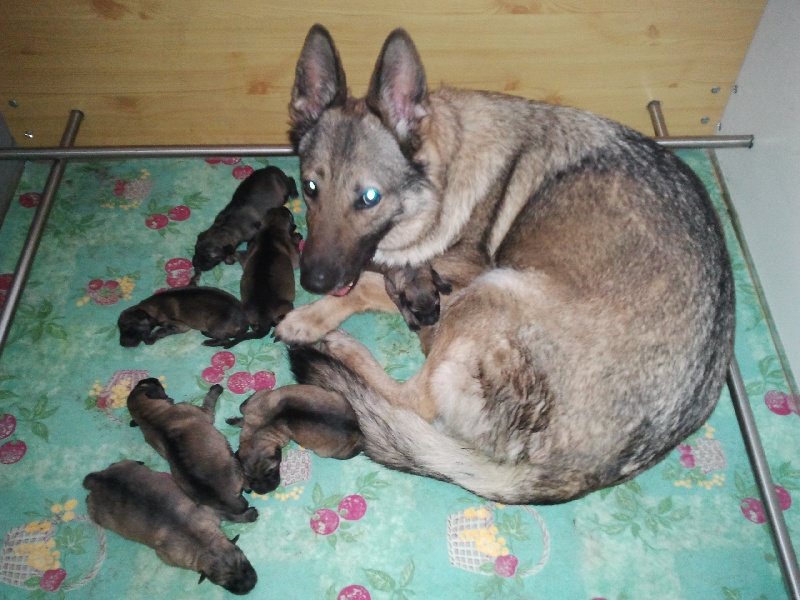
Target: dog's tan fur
316,419
149,508
199,456
593,314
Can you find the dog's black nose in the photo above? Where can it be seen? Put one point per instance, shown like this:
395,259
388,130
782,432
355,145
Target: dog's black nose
318,280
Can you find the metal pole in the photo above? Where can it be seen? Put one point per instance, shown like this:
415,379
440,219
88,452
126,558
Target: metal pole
35,231
691,142
763,477
126,152
657,118
675,142
752,442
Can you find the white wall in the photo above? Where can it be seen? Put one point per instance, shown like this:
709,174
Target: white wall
764,182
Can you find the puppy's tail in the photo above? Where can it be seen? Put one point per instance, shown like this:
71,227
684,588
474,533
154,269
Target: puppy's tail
400,439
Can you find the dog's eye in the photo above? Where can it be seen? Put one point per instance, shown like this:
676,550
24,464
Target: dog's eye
309,188
369,198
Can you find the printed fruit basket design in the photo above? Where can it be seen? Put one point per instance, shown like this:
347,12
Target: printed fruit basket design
59,552
295,466
127,191
700,458
114,394
482,541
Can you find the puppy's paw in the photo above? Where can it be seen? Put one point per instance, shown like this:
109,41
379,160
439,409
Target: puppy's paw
249,516
304,325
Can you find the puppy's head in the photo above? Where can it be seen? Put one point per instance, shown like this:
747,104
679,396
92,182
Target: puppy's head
152,388
230,569
134,325
279,219
209,252
261,465
143,392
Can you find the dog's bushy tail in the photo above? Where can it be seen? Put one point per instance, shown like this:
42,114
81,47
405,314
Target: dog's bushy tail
400,439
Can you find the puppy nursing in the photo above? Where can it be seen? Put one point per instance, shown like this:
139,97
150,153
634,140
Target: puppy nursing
316,419
149,508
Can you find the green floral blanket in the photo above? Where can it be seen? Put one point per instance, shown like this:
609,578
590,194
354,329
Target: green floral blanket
692,527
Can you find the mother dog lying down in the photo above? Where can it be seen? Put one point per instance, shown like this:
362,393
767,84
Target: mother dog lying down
592,317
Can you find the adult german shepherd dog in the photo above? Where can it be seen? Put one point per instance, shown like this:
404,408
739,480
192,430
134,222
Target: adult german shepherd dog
592,313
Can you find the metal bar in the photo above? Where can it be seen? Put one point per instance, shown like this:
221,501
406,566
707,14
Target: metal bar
752,442
685,142
702,142
657,118
763,477
35,231
126,152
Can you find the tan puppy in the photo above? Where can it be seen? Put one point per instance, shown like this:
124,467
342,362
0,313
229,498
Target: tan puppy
314,418
147,507
215,313
199,456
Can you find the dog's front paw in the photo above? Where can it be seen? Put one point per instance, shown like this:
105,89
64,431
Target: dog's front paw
343,346
303,325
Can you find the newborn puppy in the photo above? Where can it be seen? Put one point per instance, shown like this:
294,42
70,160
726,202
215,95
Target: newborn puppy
316,419
415,291
242,218
149,508
214,312
267,284
199,456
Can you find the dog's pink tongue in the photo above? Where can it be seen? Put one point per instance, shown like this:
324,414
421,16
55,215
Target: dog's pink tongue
343,291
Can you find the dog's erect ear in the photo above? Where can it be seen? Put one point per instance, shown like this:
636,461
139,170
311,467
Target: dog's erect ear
398,88
319,82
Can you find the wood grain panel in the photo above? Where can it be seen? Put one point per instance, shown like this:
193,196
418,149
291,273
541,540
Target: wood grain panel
203,72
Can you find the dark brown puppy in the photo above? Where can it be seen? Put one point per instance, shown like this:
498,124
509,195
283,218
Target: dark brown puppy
415,291
242,218
199,456
316,419
214,312
147,507
267,284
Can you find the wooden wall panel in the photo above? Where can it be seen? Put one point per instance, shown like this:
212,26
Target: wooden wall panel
208,72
